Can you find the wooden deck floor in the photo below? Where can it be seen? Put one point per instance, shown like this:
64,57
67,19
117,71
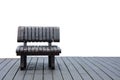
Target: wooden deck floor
66,68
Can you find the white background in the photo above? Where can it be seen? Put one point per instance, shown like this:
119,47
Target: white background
88,27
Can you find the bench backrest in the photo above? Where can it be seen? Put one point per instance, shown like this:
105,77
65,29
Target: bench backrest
38,34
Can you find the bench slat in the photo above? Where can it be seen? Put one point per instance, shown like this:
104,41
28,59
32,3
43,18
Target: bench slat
40,48
22,33
37,49
33,34
19,34
29,33
37,34
47,34
40,33
56,34
21,49
51,34
26,34
29,49
44,35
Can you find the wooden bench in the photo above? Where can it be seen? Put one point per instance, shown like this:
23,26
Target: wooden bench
38,34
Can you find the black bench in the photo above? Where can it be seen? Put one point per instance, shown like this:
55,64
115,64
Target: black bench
38,34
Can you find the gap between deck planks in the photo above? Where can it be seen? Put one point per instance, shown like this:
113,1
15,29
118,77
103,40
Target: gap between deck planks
66,68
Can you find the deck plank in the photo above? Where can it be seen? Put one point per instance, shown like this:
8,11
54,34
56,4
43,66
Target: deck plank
38,75
30,70
2,65
20,74
10,75
66,68
97,70
47,72
65,73
116,58
6,69
2,60
116,72
88,69
115,61
110,63
106,70
71,69
81,71
57,75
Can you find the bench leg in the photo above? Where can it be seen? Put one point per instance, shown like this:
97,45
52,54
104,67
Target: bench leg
51,61
23,62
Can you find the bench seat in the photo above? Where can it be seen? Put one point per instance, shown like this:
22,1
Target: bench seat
38,50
